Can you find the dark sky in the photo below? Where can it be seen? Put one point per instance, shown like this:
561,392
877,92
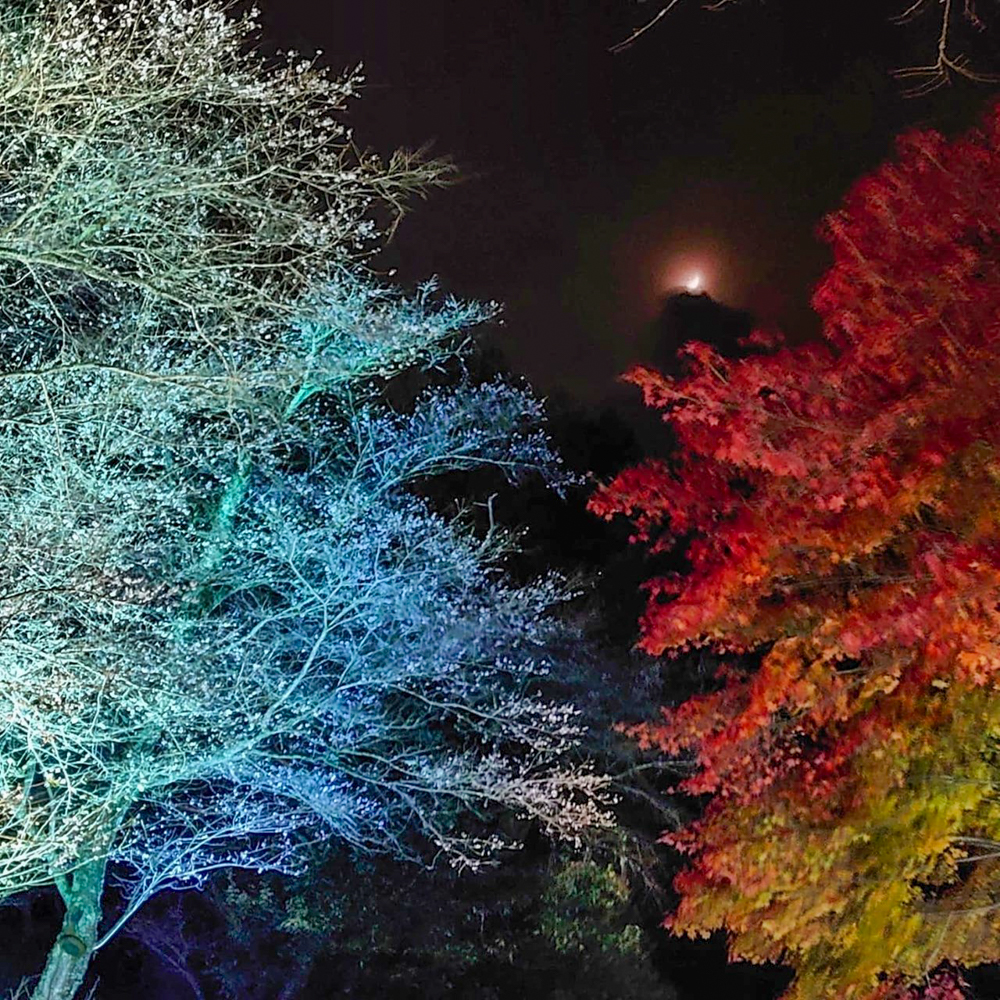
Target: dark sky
719,139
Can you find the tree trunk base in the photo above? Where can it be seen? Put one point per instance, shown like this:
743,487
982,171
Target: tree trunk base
66,966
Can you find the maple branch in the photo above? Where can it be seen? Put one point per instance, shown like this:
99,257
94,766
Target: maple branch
978,842
970,911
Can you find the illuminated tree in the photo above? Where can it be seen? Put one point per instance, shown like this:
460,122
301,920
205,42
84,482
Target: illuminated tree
952,19
228,629
838,508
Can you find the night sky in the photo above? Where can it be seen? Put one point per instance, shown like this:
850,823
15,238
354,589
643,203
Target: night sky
596,182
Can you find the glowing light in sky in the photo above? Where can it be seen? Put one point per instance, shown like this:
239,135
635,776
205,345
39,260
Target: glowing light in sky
697,269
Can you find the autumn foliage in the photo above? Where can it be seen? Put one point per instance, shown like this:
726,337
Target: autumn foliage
838,507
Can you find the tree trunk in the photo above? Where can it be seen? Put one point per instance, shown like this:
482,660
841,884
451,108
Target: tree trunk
70,956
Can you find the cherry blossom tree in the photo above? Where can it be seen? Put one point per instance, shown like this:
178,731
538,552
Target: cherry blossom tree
229,628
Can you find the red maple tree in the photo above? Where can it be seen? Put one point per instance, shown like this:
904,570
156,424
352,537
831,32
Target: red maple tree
838,505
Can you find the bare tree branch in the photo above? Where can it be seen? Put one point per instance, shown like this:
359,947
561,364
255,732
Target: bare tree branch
640,31
920,80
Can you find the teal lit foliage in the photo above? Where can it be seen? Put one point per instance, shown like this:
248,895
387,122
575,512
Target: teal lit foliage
149,147
231,632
